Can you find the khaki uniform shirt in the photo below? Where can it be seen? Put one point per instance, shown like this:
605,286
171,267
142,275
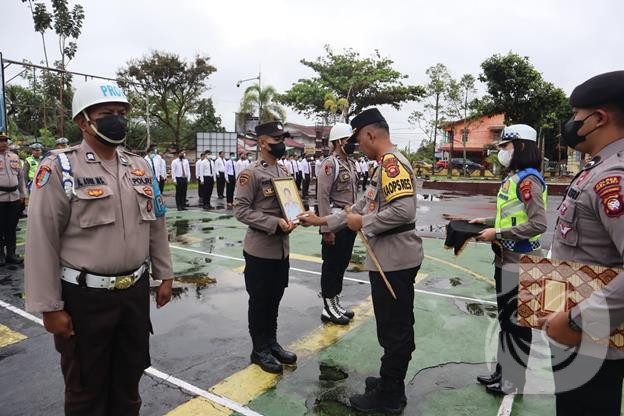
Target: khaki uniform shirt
335,190
108,227
590,229
11,175
256,205
389,202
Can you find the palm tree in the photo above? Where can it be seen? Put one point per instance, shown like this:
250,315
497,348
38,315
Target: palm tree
263,99
335,106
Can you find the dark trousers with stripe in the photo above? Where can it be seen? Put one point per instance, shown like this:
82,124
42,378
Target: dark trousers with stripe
265,281
103,363
220,184
395,321
9,216
180,196
231,184
207,190
336,259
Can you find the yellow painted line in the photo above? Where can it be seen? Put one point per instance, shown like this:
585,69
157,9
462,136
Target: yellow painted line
8,337
20,244
463,269
249,383
420,277
239,269
304,257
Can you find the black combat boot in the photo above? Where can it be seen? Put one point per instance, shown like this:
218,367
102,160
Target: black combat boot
495,377
330,312
266,361
283,356
385,398
373,382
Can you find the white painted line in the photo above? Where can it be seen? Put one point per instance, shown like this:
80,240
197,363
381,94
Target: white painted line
426,292
506,405
223,401
22,313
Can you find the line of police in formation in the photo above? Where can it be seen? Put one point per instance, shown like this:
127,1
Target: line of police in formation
95,225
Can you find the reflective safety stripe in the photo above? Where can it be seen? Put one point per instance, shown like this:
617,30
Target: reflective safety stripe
512,207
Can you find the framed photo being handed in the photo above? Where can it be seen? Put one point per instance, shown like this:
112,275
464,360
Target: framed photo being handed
288,197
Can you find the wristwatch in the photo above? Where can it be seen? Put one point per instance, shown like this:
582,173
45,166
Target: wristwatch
498,234
572,324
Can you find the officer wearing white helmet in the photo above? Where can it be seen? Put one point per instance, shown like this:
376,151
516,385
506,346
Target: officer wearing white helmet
516,230
62,143
97,230
337,184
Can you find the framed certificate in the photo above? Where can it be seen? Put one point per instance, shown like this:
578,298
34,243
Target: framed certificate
289,198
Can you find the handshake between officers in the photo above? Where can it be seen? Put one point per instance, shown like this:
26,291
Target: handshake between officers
384,218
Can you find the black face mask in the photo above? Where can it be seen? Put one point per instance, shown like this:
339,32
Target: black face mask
570,131
111,129
277,149
349,148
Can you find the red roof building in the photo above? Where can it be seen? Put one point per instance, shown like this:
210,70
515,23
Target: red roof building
482,131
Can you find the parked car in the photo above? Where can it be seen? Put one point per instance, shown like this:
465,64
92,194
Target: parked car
458,163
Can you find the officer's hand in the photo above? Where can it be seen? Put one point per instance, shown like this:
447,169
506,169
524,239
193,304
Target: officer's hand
58,323
354,221
556,328
329,238
163,296
286,226
309,218
489,234
477,221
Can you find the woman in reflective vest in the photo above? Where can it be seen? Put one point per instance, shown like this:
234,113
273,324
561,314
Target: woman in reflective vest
520,220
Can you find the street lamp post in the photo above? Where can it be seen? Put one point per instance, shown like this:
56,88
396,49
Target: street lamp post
259,78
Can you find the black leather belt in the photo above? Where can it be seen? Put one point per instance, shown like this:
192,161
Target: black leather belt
8,188
397,230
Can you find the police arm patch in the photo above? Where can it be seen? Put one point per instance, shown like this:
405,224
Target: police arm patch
525,190
243,179
43,176
609,190
396,180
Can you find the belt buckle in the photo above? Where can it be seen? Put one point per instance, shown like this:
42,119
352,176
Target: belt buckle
123,282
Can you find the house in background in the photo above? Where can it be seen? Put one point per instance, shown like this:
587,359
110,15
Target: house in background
482,133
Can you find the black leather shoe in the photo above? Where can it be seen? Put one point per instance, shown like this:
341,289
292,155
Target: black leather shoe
502,388
283,356
376,401
373,382
267,362
495,377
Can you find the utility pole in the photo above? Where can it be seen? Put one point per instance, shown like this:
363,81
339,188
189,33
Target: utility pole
435,132
465,135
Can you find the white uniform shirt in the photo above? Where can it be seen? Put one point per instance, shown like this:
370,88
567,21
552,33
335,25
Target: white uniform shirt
294,166
358,166
317,167
220,165
230,168
157,163
364,166
180,169
241,165
304,167
206,168
198,164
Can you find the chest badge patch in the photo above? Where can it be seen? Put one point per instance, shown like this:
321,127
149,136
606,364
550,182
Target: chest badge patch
95,192
148,191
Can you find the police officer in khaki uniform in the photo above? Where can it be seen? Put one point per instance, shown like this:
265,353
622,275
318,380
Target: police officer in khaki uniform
12,194
61,143
95,234
336,189
590,229
386,216
266,247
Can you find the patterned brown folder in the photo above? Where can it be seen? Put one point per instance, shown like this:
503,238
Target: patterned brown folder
548,286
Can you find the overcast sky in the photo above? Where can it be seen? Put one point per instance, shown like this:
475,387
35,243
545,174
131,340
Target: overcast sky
568,41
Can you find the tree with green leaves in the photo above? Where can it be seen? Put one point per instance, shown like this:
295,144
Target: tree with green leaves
362,82
261,100
170,88
516,88
67,24
457,107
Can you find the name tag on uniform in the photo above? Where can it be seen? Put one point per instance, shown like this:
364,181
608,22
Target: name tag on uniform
371,192
83,181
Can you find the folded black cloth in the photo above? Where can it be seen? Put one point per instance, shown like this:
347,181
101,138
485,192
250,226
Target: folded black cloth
458,232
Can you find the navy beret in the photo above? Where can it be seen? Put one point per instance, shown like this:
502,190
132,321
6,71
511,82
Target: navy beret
366,117
605,88
273,129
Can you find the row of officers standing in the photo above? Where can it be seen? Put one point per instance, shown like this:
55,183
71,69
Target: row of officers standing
98,236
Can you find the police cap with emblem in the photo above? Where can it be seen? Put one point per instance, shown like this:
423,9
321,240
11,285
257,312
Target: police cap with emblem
273,129
607,88
365,118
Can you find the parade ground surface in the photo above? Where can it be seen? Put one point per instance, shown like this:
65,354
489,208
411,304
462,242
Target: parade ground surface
200,347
